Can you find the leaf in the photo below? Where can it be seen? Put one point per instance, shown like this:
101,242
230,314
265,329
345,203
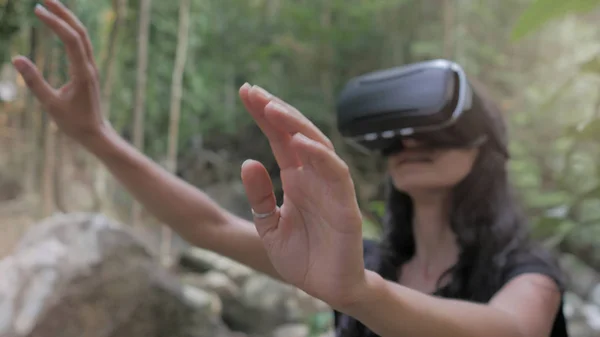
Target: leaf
546,226
593,193
570,131
377,207
540,12
561,233
319,323
370,230
589,132
591,66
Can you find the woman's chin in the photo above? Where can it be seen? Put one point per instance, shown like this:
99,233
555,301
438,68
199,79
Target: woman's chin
413,188
411,179
418,185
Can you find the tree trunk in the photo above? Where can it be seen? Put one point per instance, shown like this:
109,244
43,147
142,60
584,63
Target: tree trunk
175,109
48,186
101,190
32,120
63,157
448,14
140,94
62,161
328,89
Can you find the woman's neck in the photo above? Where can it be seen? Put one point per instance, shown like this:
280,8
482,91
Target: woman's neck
435,242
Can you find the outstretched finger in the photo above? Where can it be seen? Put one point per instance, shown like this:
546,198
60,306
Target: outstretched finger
276,106
34,80
259,190
60,10
293,121
325,162
278,139
69,37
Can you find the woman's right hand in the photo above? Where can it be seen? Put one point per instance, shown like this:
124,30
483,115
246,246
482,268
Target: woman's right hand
75,107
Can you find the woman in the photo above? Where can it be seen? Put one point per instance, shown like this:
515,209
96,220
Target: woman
314,240
453,228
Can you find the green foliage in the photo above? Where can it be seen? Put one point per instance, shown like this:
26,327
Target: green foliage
320,323
559,175
233,42
14,16
304,54
543,11
553,229
373,229
592,66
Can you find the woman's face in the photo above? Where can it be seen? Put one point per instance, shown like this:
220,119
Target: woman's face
417,169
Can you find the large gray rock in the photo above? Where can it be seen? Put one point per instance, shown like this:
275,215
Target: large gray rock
292,330
85,275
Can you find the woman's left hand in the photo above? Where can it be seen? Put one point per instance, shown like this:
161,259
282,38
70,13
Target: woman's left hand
314,240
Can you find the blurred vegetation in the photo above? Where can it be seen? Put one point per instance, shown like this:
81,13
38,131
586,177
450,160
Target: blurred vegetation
540,59
561,182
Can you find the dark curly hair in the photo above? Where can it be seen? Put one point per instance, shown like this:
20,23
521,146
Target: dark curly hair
485,217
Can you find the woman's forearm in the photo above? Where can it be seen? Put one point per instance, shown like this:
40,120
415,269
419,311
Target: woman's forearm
391,310
183,207
170,199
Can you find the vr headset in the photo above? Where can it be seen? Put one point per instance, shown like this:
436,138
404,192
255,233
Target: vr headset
429,101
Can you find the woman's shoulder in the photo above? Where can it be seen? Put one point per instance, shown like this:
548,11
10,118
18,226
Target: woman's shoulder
532,260
538,260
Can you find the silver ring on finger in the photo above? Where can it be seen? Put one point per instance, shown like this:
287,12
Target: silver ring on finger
264,215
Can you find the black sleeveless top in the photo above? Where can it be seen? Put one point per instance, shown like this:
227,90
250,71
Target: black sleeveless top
532,264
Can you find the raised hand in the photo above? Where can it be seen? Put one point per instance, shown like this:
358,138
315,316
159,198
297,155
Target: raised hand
314,239
74,107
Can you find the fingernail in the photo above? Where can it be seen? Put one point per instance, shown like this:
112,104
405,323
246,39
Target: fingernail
277,106
245,85
18,65
262,92
40,8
